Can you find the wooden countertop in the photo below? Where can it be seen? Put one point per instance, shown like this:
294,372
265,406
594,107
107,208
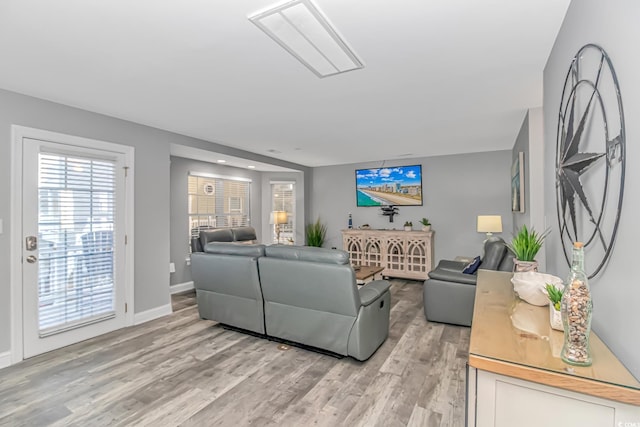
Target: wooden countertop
511,337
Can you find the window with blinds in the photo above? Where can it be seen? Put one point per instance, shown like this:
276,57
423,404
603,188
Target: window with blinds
76,201
217,202
283,198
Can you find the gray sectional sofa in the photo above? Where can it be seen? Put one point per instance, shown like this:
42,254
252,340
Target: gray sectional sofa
237,235
300,294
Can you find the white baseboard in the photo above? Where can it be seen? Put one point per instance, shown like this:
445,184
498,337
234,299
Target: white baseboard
5,359
152,314
180,287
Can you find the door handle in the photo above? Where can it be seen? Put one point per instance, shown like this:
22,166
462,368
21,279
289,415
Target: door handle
31,259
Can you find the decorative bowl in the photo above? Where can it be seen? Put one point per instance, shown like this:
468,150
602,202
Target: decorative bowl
530,286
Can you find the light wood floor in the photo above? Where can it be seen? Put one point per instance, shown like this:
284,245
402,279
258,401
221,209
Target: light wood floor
180,370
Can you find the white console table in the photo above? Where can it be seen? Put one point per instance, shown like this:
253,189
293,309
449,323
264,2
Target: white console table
516,376
406,254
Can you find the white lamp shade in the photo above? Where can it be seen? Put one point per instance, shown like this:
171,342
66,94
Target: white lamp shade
489,224
278,217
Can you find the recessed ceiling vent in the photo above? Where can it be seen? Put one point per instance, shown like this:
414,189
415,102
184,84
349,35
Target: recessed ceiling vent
304,31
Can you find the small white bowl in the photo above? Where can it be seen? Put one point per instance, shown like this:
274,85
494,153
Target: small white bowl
530,286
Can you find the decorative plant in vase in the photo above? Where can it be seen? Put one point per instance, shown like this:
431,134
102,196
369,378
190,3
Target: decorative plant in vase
525,245
408,225
426,225
316,233
555,296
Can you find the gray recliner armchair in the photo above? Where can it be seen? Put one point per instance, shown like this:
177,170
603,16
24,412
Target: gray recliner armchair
449,294
311,297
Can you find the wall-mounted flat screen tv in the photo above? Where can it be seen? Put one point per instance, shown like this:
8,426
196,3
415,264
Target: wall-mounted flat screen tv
397,186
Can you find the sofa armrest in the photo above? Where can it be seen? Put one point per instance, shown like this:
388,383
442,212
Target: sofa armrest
453,276
372,291
451,265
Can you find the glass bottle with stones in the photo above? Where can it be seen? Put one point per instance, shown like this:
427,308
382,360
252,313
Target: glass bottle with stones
576,307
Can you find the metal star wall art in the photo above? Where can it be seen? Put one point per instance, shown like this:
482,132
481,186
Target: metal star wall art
589,164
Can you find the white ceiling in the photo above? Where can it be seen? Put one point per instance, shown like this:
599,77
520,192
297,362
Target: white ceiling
440,76
224,159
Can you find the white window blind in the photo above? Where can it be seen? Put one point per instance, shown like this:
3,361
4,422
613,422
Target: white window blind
76,198
216,202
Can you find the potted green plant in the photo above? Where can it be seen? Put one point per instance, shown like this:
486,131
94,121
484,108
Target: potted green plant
316,233
555,296
426,225
408,225
525,245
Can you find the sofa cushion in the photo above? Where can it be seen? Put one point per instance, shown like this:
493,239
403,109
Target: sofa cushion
472,266
234,249
308,253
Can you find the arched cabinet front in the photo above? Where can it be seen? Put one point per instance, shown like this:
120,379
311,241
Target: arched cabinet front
404,254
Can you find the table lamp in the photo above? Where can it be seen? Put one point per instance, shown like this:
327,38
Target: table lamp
278,218
489,224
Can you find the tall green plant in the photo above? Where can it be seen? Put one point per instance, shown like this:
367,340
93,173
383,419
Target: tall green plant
526,244
316,232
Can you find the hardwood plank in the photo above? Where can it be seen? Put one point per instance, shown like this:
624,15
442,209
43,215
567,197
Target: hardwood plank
420,417
181,370
417,368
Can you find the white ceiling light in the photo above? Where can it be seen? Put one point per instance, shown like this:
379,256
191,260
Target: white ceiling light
300,28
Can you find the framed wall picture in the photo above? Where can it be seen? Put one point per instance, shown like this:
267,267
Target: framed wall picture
517,183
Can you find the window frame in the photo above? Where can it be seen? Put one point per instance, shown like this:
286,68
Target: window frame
289,229
218,201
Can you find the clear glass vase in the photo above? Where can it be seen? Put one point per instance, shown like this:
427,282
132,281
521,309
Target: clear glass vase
576,307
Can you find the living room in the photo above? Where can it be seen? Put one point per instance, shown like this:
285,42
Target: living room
457,186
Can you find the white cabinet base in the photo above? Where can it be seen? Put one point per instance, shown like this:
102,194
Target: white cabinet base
499,401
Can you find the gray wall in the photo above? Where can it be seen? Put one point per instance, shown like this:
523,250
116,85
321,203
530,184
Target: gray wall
616,294
179,227
530,142
151,177
456,190
152,183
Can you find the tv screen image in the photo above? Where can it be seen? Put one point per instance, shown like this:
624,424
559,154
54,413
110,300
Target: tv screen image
397,186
